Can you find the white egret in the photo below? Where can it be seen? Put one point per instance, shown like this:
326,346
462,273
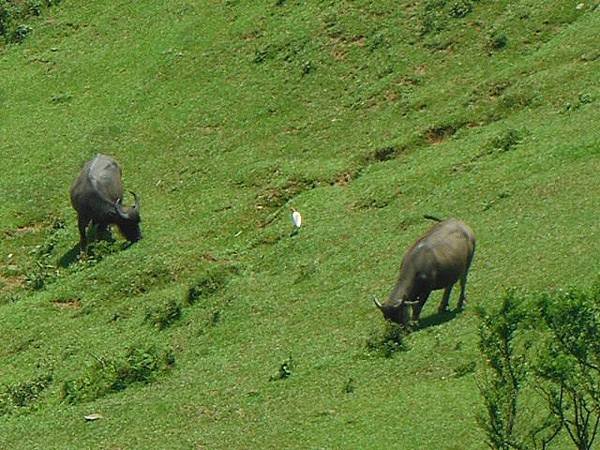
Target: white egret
296,220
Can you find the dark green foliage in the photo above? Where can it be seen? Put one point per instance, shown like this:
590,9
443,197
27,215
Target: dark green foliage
21,32
163,315
504,376
497,41
44,269
14,12
105,374
384,153
307,67
215,317
505,141
23,394
583,99
562,366
569,363
388,341
435,14
349,386
209,283
586,98
306,271
100,249
460,8
465,369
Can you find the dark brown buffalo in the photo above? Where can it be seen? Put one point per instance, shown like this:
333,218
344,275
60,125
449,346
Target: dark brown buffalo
96,195
437,260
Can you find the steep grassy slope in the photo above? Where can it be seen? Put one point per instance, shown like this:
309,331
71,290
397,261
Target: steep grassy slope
364,116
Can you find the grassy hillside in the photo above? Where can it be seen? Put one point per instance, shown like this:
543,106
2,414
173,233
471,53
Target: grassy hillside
218,329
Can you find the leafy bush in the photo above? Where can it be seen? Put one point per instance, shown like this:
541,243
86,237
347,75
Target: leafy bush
501,382
559,362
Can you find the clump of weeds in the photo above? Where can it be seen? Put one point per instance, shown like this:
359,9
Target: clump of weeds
23,394
164,314
112,374
285,370
388,341
209,283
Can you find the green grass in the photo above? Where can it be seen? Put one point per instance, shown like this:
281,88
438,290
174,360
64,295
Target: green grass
362,115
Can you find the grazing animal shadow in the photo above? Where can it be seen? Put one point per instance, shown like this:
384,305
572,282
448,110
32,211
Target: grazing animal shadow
70,257
437,319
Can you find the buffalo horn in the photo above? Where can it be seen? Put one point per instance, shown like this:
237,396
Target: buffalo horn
119,208
136,206
377,302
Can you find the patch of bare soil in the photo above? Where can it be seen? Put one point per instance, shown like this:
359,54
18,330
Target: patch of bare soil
437,135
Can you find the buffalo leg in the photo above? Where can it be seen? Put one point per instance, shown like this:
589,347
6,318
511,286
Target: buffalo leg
462,298
82,223
102,231
417,307
444,303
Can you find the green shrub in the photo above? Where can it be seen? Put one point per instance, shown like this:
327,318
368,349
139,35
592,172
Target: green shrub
548,344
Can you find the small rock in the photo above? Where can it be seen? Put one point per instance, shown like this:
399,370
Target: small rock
580,6
92,417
